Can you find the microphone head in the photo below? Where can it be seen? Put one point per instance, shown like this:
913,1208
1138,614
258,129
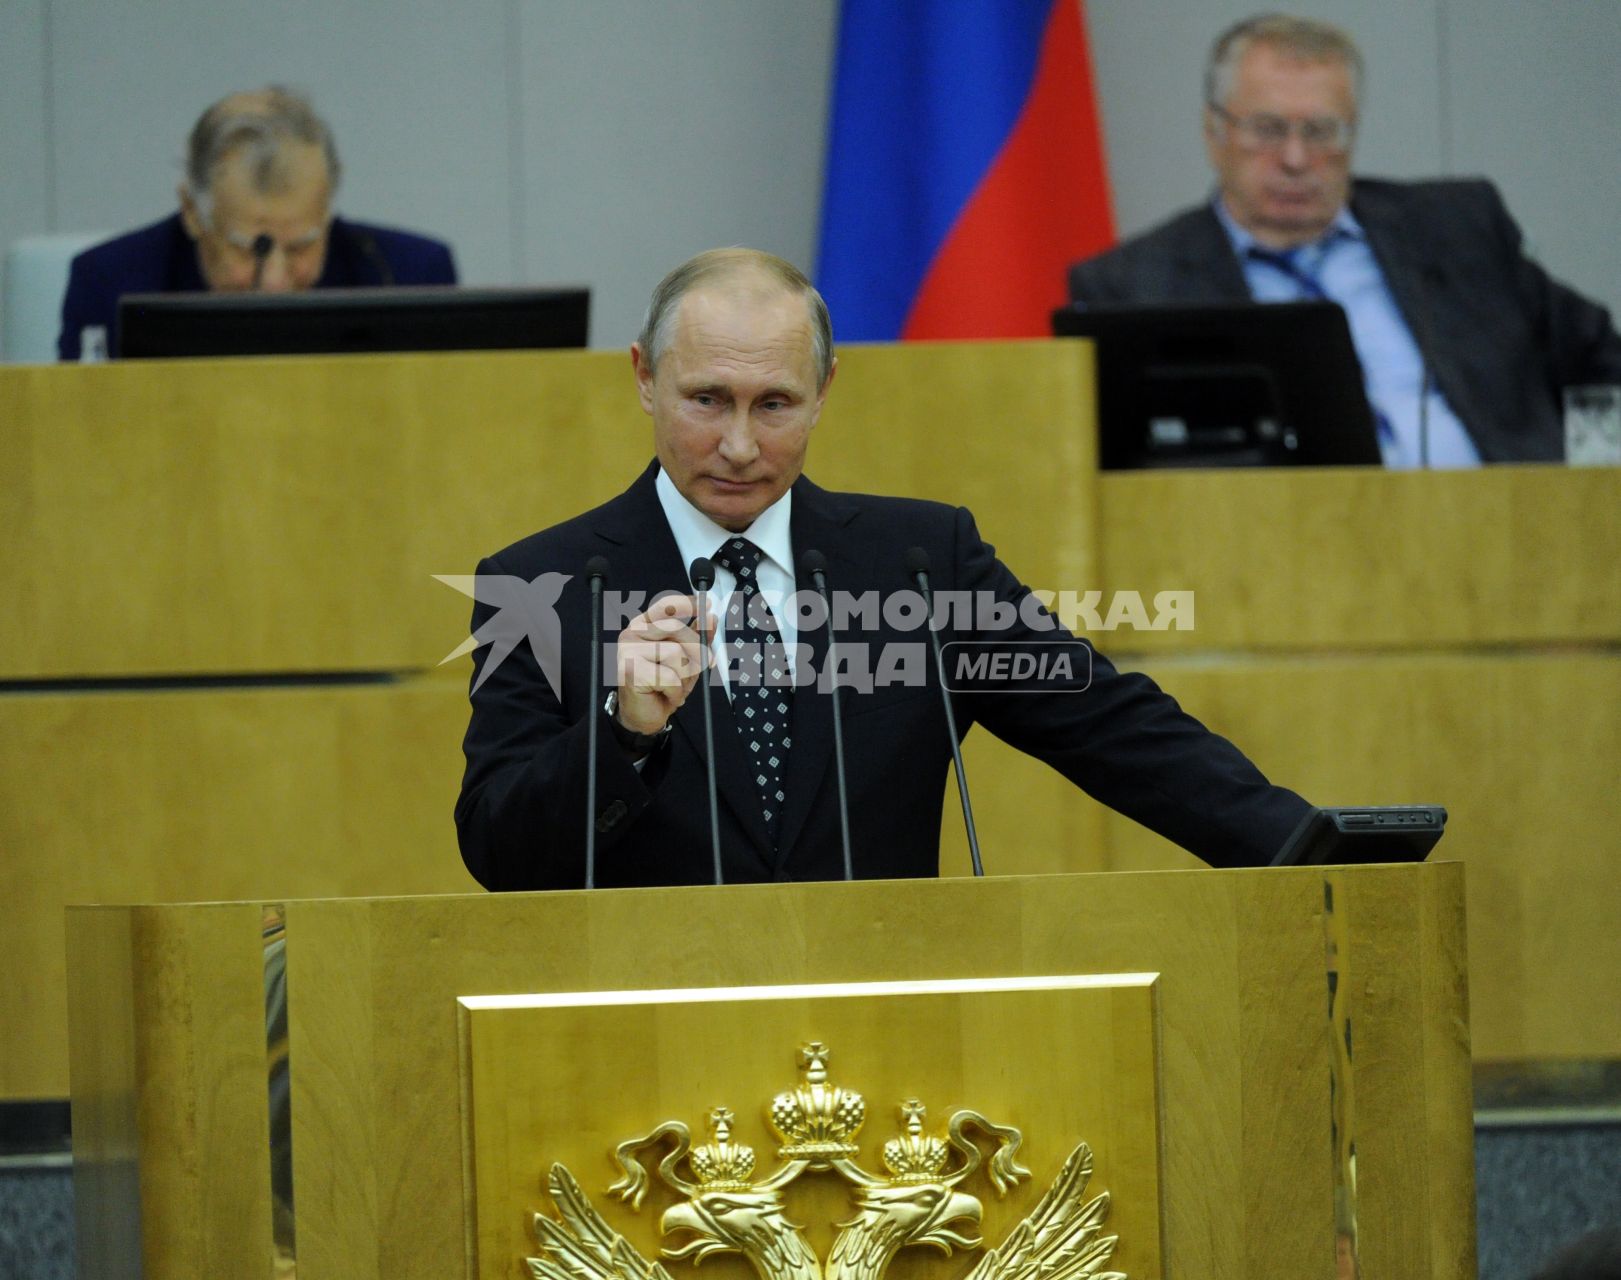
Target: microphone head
702,573
596,568
917,561
263,243
813,562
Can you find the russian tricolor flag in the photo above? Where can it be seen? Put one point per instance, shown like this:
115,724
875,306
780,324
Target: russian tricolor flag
964,168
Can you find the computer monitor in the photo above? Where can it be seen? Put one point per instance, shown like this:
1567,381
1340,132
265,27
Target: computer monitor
1247,384
348,321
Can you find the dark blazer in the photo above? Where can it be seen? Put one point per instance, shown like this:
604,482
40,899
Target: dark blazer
1502,338
162,258
520,818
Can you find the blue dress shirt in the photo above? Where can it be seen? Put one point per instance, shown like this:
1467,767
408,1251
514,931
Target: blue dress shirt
1341,268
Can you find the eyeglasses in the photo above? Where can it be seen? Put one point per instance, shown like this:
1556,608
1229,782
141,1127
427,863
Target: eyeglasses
1322,135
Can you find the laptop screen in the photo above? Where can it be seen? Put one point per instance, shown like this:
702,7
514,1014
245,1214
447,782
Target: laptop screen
1246,384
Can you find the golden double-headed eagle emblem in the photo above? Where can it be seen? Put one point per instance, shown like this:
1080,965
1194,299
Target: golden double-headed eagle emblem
917,1200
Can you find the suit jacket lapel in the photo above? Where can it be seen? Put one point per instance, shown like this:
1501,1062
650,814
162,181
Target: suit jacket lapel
1390,242
1416,280
635,523
818,524
1206,266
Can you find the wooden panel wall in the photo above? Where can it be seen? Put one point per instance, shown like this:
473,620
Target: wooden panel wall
1356,558
1449,638
229,516
1366,636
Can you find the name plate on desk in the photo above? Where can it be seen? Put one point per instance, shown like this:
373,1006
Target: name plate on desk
854,1131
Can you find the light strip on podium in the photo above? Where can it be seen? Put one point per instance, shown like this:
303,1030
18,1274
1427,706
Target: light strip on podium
805,991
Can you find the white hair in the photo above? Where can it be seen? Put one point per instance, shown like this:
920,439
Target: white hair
1304,38
258,124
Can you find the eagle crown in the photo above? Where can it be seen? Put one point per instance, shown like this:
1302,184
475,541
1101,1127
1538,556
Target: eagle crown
915,1157
721,1164
817,1121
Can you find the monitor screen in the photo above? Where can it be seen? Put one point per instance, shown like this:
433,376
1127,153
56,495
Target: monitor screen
1242,384
348,321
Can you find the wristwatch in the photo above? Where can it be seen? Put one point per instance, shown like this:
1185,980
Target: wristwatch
638,744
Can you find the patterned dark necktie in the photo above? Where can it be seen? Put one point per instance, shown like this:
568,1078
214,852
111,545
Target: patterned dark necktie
761,679
1288,262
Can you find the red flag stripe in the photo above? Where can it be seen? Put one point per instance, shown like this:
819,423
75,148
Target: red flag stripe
1044,203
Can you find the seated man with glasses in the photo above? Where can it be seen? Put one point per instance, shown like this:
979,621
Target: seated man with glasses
255,213
1465,343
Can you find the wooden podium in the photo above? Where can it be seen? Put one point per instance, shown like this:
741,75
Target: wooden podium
1268,1066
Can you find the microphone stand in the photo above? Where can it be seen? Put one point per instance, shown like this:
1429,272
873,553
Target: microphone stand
262,247
917,564
702,574
596,569
816,564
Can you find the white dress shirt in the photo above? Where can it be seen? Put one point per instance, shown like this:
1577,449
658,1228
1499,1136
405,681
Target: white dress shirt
697,535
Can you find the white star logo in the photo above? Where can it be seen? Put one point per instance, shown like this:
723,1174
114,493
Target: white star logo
522,609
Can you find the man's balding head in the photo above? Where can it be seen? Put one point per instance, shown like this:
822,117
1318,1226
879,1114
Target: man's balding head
259,127
748,271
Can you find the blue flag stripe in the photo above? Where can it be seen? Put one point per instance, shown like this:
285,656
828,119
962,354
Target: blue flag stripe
925,94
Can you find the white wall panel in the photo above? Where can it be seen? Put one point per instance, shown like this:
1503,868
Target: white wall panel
24,143
603,140
1149,62
1532,98
651,131
416,91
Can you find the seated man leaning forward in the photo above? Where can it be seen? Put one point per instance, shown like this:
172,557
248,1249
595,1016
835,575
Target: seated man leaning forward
733,364
255,213
1465,343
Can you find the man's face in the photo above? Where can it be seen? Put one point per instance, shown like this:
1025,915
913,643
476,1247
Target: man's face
735,397
295,214
1284,194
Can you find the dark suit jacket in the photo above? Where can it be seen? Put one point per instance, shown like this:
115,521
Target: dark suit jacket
1501,337
162,258
520,817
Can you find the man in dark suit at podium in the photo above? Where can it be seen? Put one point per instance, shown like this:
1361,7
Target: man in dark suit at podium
733,364
255,213
1466,343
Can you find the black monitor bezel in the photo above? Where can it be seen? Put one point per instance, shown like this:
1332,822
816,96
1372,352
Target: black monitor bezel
352,321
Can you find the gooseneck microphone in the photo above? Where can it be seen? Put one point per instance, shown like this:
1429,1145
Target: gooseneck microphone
596,569
262,246
702,574
917,564
815,564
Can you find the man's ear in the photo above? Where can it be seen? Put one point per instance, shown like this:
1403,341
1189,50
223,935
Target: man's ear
644,376
188,212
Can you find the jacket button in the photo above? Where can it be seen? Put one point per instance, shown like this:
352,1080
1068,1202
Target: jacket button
612,816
